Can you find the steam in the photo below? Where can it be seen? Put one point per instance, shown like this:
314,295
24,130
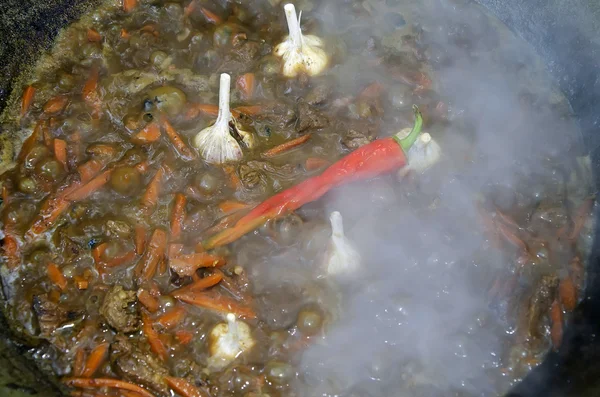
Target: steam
417,322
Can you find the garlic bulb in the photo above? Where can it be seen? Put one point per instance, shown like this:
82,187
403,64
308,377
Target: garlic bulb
423,154
217,143
228,340
300,53
341,258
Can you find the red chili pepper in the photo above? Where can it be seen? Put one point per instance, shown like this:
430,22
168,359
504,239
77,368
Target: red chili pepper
376,158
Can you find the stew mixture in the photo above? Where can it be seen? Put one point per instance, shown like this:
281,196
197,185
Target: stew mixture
171,146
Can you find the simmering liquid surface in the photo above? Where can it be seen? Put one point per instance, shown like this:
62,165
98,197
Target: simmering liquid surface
468,270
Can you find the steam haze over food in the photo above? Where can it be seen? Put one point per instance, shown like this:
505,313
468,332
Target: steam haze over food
416,320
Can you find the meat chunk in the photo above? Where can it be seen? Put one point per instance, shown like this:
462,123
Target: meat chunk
318,95
49,314
358,134
120,309
136,364
310,118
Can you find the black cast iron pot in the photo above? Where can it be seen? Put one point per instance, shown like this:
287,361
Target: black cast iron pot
566,33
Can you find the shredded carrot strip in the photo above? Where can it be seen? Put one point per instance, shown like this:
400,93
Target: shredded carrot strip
315,163
184,337
246,83
200,284
194,110
182,387
27,100
60,151
286,146
179,144
140,239
156,345
233,178
178,215
247,110
187,11
31,141
186,265
89,188
149,302
88,383
93,36
89,170
171,318
124,34
129,5
79,362
232,206
150,133
121,259
50,211
55,105
98,251
146,267
211,16
150,197
56,276
95,359
90,92
215,301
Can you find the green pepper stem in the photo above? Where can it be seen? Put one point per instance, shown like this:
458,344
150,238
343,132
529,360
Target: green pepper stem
407,142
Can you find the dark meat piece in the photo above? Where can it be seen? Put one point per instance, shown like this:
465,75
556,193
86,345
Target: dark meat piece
318,94
310,118
358,134
285,172
129,361
277,114
250,177
49,314
242,58
120,309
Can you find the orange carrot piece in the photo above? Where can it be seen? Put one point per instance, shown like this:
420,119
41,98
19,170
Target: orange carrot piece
211,16
140,239
186,265
89,188
174,250
148,301
95,360
373,90
156,345
89,170
184,337
129,5
27,100
11,251
567,293
150,133
171,318
51,210
55,104
98,252
187,11
93,383
124,34
121,259
150,197
212,300
196,109
79,363
178,215
31,141
200,284
93,36
179,144
286,146
81,283
56,276
60,151
183,388
315,163
228,206
556,330
90,92
101,150
247,110
246,83
146,268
